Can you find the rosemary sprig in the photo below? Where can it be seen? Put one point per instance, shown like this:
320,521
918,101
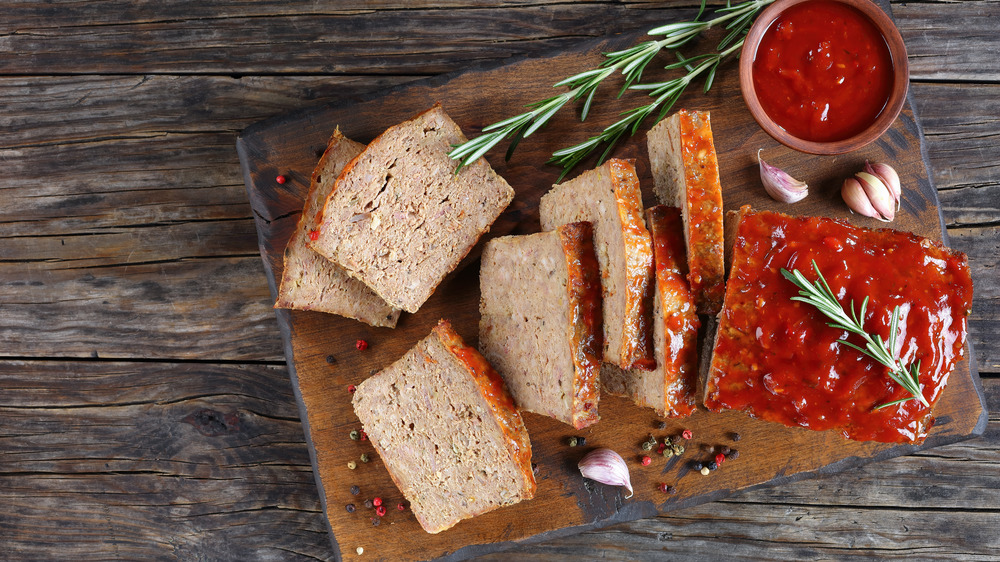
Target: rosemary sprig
631,63
818,294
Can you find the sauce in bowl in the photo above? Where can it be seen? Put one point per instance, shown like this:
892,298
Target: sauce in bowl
823,71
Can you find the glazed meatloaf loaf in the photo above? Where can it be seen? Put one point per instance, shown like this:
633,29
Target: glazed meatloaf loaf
447,430
671,387
540,322
310,281
778,359
609,197
400,218
686,175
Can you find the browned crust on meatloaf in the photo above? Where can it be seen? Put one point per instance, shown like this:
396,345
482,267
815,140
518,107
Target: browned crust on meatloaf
400,218
309,281
447,431
609,197
540,320
670,388
686,175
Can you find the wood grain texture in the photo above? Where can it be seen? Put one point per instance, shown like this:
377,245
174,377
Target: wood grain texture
771,455
120,120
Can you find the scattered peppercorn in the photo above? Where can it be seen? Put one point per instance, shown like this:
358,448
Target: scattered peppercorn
713,465
672,490
705,471
281,179
376,521
725,450
380,511
573,441
364,436
369,504
361,345
661,425
355,435
661,448
720,458
678,450
686,434
351,388
646,460
736,436
647,445
696,465
352,465
734,454
663,487
364,457
350,508
581,441
401,506
331,359
355,490
376,501
361,549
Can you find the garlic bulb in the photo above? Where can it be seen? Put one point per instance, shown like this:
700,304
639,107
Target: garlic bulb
874,192
606,467
779,185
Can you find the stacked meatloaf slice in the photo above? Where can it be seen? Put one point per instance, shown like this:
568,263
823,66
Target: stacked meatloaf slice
400,218
447,430
686,175
609,197
310,281
670,388
541,320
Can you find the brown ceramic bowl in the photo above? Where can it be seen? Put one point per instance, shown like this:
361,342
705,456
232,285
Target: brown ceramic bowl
897,95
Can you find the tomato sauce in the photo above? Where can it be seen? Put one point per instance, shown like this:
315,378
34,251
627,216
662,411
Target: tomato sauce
823,71
779,360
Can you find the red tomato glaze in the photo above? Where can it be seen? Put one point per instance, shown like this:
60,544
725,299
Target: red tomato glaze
823,71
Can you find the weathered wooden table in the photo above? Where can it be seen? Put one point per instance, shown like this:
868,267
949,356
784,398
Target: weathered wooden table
145,407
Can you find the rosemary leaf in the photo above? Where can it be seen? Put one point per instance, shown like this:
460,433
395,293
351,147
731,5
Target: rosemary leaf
819,295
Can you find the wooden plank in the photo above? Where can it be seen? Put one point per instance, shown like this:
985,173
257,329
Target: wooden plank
562,502
145,461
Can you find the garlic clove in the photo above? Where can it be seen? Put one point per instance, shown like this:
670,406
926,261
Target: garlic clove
888,176
878,195
856,198
606,467
779,185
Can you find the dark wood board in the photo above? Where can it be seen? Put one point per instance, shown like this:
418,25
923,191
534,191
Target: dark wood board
769,454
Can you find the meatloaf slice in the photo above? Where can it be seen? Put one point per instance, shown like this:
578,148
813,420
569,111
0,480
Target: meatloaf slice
312,282
540,320
780,360
609,197
671,387
686,175
447,430
400,218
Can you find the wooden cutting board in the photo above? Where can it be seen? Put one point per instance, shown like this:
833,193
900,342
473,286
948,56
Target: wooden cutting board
323,359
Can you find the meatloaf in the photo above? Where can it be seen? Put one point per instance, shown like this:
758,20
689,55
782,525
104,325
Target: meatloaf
779,359
609,197
670,388
540,322
447,430
400,218
686,175
310,281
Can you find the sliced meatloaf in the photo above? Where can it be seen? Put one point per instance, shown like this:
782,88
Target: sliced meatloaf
541,320
686,175
447,430
671,387
609,197
400,218
779,359
312,282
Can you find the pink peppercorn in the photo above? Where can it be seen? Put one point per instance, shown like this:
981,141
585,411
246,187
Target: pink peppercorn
351,388
380,511
401,506
686,434
281,179
377,501
646,460
720,458
361,345
314,235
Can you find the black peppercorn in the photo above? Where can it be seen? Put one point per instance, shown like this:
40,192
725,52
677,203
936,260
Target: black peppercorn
713,465
376,521
734,454
696,465
330,359
661,425
736,436
581,441
369,504
355,490
725,451
350,508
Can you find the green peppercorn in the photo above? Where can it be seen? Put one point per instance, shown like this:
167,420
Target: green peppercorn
573,441
678,449
355,435
668,452
364,457
647,446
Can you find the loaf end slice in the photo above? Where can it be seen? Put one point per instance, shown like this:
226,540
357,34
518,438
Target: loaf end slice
609,197
540,323
309,281
686,175
671,387
400,219
447,431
